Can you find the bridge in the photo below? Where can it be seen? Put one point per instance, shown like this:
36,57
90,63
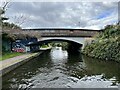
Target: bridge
74,36
65,32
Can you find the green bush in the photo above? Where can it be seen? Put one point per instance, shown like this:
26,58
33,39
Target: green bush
107,46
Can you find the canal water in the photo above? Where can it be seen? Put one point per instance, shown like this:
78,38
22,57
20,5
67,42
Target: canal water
59,69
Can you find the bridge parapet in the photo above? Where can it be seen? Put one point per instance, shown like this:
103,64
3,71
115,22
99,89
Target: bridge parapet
66,32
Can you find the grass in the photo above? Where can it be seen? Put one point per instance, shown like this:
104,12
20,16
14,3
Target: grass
7,55
44,46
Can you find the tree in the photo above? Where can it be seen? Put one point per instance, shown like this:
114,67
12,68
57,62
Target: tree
3,9
15,29
20,19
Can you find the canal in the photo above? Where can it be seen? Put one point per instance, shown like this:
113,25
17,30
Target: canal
59,69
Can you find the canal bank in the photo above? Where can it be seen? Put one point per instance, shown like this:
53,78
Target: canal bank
106,45
10,64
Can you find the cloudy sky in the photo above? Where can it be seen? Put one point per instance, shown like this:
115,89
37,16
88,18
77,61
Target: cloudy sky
91,15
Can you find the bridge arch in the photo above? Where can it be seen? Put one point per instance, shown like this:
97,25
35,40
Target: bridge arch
61,39
77,41
72,46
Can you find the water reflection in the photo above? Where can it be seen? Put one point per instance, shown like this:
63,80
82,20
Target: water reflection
58,56
60,69
108,68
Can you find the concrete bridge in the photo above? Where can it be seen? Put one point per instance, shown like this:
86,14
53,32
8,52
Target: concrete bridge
65,32
74,36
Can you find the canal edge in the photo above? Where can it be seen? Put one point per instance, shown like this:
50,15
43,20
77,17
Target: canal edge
6,70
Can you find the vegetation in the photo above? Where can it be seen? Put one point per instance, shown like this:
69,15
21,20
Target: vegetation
7,25
64,45
60,44
44,46
106,45
6,55
2,18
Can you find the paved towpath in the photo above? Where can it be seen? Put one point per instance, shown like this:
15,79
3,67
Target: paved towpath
11,61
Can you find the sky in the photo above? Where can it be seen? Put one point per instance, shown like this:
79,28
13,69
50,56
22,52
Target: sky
88,15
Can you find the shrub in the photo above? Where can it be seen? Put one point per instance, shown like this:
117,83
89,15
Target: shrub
107,46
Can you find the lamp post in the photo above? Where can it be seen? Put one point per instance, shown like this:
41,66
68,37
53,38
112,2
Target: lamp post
79,24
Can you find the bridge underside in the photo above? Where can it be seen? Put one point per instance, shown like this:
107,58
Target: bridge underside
52,40
72,45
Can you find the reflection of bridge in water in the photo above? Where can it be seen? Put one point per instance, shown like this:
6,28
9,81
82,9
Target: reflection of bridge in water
75,36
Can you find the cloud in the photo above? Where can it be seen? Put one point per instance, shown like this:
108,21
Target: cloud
65,14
